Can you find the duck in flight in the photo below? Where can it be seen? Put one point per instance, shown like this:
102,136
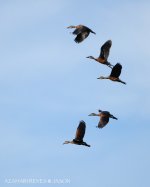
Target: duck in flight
81,31
104,118
104,54
79,135
115,73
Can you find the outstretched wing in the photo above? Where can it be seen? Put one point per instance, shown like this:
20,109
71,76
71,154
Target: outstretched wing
80,37
104,53
103,121
116,71
80,131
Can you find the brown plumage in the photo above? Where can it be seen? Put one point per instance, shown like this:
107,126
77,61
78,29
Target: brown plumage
115,73
81,31
79,135
104,53
104,118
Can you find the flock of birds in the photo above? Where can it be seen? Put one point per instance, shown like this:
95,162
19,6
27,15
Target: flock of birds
82,32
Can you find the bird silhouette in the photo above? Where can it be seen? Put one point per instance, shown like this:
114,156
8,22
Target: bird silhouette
81,31
104,118
104,53
115,73
79,135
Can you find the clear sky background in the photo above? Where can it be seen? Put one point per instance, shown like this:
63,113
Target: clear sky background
47,86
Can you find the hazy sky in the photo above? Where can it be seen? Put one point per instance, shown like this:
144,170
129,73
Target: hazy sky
47,86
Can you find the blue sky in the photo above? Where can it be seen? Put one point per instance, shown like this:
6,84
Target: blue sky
48,86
